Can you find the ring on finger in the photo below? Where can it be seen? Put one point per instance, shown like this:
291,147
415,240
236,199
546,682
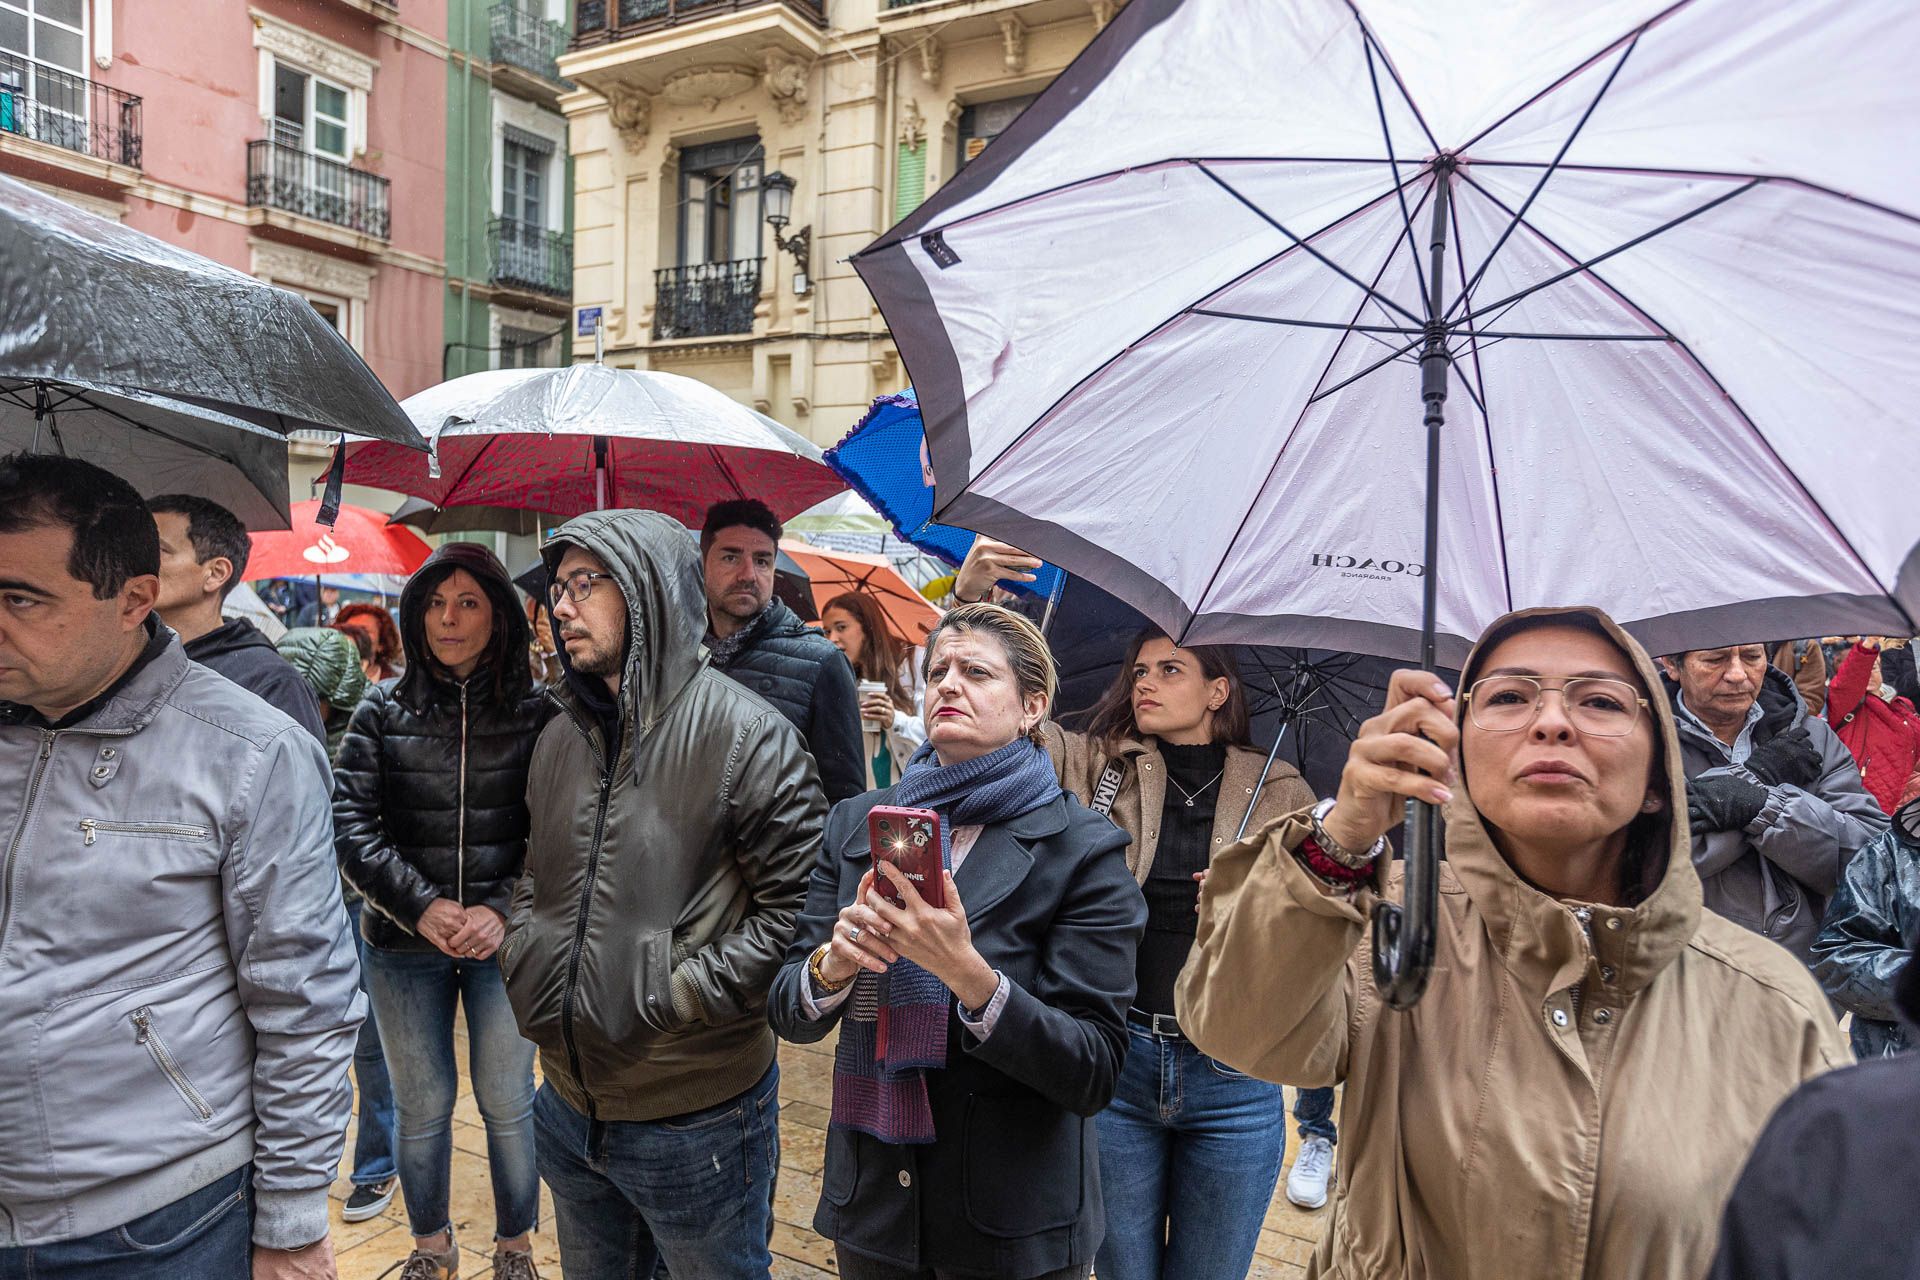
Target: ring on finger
854,932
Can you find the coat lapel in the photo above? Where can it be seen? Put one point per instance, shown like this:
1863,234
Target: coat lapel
1002,857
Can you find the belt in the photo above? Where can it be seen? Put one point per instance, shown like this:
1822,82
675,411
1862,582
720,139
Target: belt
1161,1026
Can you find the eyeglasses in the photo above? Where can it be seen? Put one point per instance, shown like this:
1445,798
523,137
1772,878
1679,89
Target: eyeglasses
576,586
1602,708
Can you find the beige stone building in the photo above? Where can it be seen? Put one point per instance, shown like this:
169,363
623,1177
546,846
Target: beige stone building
684,107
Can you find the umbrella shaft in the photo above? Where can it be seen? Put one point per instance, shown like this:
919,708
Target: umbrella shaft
1433,391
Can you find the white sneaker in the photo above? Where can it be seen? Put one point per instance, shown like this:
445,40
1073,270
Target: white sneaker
1312,1171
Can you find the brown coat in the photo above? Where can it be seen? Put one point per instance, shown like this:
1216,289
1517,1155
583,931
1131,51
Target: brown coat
1559,1106
1809,673
1080,760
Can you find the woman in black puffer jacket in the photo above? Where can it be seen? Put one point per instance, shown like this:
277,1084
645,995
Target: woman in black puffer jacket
430,820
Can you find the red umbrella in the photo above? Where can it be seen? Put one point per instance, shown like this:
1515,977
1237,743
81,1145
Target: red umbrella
360,542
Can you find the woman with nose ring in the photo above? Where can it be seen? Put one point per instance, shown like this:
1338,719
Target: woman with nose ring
1595,1054
1190,1149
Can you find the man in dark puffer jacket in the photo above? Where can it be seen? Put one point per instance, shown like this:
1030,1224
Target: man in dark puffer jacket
763,644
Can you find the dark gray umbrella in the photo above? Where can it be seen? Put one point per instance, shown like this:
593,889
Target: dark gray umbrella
418,513
166,368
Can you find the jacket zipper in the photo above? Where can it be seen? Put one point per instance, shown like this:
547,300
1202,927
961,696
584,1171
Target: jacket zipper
13,844
460,843
145,1034
1585,916
92,827
580,935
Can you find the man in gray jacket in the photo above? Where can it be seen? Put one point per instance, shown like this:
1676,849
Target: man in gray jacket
1773,796
177,985
676,816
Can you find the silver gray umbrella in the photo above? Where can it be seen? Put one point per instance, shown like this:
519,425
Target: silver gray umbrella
168,369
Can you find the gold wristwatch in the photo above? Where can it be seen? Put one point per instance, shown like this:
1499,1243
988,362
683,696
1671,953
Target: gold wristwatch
818,975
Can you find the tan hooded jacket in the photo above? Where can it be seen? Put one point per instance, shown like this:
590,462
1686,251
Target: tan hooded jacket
1577,1091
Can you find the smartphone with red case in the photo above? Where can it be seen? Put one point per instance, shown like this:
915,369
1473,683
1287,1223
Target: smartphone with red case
910,840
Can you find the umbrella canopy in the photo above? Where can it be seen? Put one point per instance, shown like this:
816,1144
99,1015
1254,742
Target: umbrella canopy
577,439
166,368
360,542
1655,266
884,459
832,573
418,513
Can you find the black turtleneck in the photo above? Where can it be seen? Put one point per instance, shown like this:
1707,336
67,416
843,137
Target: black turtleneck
1183,848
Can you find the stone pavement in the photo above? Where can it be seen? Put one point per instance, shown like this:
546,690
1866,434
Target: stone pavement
367,1250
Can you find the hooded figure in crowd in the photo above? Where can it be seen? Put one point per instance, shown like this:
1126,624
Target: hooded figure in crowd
1595,1054
329,662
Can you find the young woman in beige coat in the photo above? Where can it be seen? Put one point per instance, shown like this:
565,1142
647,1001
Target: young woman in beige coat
1595,1055
1190,1149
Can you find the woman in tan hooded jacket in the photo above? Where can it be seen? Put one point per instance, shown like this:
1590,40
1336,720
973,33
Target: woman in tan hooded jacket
1595,1055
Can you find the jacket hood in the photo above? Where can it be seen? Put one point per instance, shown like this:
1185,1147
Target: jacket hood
1539,935
329,662
656,564
424,677
231,636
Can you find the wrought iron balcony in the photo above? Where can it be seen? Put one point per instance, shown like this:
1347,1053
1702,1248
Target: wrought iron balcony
706,299
598,21
529,257
284,177
527,40
69,111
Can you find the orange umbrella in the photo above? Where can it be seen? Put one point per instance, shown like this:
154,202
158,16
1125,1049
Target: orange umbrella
832,573
360,542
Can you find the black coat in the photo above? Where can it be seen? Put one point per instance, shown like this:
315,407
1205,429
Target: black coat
1011,1185
238,651
1829,1189
802,674
430,790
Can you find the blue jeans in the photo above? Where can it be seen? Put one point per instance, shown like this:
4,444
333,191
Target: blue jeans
1190,1152
415,993
373,1141
205,1235
690,1190
1313,1110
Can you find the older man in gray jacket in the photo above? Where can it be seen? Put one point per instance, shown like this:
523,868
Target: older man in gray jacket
1774,799
177,984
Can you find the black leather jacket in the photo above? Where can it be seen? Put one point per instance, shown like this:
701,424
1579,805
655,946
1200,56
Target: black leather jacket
429,795
810,682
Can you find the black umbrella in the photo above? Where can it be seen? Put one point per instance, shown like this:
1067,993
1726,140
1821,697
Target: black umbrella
166,368
418,513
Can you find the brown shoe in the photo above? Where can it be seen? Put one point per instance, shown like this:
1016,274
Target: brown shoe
423,1264
514,1265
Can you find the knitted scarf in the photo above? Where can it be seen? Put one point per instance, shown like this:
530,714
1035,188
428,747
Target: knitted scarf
727,651
896,1023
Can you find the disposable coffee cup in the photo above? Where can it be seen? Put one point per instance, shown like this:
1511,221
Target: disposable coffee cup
868,688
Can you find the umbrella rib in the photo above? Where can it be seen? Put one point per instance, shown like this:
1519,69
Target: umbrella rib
466,471
1386,132
1375,328
1312,252
1587,266
80,397
1758,435
1547,173
1574,73
1486,419
1366,34
1375,367
1292,432
1782,179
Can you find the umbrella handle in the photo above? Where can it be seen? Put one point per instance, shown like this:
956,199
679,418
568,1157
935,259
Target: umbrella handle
1403,933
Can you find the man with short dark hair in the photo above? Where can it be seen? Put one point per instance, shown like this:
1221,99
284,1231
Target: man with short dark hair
179,983
675,819
1774,799
203,553
763,644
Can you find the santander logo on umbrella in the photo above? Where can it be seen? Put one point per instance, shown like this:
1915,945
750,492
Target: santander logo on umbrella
326,551
360,537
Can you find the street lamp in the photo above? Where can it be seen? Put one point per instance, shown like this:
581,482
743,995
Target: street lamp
776,202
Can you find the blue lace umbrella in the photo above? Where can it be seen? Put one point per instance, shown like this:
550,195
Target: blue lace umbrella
882,459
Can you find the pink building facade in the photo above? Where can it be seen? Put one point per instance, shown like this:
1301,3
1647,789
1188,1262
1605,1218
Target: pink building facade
302,141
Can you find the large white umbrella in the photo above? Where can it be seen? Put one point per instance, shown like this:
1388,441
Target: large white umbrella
585,437
1357,324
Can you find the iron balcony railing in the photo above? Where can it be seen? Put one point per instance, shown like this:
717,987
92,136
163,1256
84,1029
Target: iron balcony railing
280,176
705,299
530,257
69,111
528,41
597,21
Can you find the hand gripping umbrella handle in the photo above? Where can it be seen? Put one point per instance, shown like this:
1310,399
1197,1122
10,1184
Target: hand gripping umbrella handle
1403,934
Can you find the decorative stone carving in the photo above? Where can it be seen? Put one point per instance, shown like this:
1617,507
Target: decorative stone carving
786,83
304,269
1102,13
913,126
932,59
1014,33
632,114
312,53
708,86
